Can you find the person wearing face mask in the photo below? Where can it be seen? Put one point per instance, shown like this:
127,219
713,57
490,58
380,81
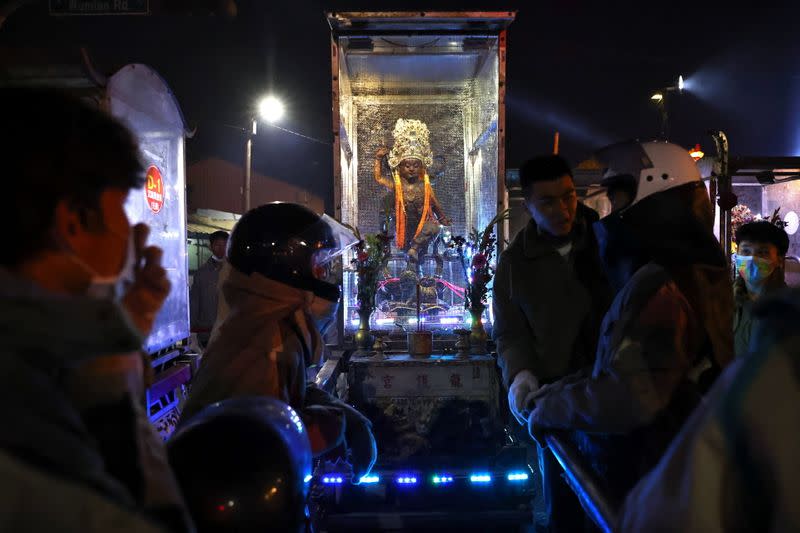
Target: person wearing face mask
761,248
282,294
670,318
203,297
77,452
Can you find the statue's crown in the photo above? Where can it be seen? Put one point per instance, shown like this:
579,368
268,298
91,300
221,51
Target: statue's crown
411,141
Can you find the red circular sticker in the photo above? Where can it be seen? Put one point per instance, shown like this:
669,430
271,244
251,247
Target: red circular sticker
154,189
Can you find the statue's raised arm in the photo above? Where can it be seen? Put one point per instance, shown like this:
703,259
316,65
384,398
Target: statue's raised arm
378,169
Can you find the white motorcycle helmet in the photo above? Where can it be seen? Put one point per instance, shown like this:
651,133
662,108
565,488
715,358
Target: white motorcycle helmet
647,168
669,214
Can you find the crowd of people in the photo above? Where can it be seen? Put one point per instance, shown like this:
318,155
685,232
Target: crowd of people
624,333
643,384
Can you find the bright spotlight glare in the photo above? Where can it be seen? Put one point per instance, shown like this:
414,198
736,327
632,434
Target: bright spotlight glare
680,83
657,97
271,109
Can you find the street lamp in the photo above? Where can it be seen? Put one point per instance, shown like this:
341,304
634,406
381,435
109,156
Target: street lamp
270,109
660,99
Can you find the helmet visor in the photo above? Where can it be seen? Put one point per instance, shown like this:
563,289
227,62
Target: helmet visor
626,159
328,249
621,165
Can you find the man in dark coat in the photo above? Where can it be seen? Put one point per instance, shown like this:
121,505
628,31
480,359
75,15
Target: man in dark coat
204,294
549,297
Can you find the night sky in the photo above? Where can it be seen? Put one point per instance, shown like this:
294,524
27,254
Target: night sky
586,69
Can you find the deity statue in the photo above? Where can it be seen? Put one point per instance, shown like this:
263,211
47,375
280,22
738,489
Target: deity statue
418,215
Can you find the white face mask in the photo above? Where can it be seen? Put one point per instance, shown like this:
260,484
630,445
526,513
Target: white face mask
112,287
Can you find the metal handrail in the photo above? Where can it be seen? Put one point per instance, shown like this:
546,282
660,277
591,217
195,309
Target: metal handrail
583,483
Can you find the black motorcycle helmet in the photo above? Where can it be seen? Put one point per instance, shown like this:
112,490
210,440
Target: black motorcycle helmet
291,244
243,464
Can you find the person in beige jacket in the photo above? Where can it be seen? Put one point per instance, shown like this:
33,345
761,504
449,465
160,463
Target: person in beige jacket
281,294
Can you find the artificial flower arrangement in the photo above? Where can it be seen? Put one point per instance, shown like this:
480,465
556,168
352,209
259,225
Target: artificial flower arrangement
372,253
476,252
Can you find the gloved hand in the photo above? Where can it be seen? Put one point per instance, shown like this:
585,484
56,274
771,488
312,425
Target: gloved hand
523,385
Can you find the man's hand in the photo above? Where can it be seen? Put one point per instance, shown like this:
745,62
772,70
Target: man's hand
524,384
382,151
150,287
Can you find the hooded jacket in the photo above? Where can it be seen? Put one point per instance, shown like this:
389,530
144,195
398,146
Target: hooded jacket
262,347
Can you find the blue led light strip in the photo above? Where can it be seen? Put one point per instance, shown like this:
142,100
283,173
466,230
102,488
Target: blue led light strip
480,478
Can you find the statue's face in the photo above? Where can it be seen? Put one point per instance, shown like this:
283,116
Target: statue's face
409,169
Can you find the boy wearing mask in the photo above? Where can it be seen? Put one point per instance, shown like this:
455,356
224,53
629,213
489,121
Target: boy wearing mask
761,248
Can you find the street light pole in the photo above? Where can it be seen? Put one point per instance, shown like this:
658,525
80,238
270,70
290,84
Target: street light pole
269,109
660,99
248,165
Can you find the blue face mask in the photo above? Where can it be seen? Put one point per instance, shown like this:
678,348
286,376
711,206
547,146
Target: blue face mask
754,270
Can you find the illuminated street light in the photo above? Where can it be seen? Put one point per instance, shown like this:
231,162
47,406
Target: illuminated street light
271,109
696,153
660,97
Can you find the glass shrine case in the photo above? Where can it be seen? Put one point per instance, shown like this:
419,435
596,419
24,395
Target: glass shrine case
429,88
